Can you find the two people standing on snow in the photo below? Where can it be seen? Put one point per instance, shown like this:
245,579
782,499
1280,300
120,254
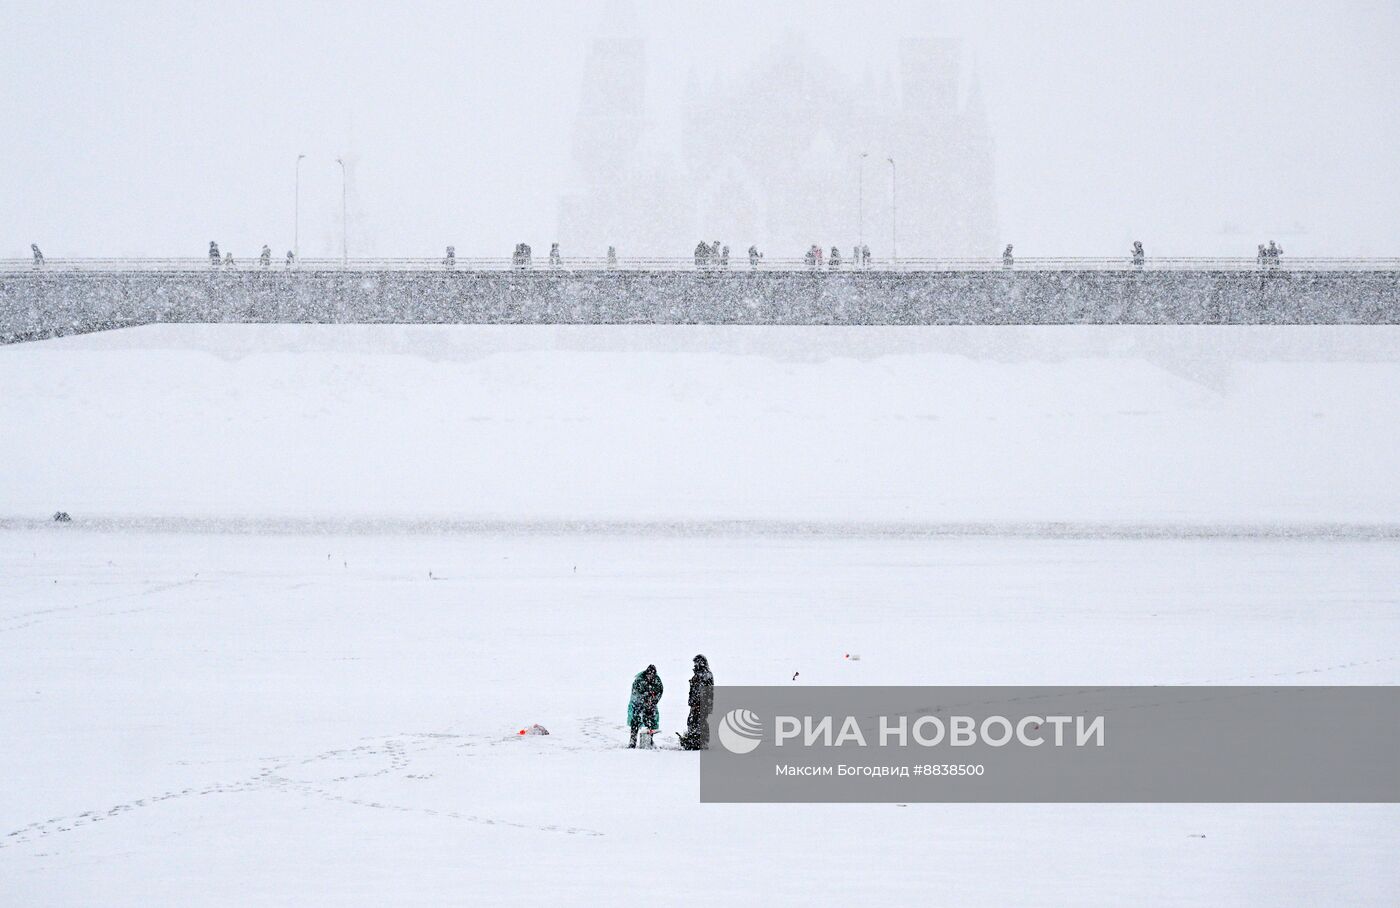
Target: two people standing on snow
644,713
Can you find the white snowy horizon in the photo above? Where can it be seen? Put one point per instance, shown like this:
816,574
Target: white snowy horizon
151,128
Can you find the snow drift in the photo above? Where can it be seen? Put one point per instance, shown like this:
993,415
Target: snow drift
827,426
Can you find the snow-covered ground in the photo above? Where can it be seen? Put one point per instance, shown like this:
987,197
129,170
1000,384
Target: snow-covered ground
318,576
916,425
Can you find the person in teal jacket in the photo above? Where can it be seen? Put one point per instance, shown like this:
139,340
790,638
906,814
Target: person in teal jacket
642,708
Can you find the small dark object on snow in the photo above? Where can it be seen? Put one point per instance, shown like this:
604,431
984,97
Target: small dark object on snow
536,729
62,517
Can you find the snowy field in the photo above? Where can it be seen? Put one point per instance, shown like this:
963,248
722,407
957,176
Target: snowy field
1257,425
318,576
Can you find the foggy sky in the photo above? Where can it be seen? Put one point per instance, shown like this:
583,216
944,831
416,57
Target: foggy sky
1199,128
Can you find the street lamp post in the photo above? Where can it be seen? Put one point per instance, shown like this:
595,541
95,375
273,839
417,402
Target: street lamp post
860,200
344,224
296,214
894,211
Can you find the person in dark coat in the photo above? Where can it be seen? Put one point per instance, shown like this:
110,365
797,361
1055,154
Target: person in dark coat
214,258
38,256
643,710
702,702
266,257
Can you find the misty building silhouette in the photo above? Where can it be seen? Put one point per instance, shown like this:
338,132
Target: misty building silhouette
772,157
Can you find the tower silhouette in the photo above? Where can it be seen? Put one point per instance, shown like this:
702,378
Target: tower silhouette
771,156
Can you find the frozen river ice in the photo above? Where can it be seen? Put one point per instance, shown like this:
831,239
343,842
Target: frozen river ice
330,719
318,576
